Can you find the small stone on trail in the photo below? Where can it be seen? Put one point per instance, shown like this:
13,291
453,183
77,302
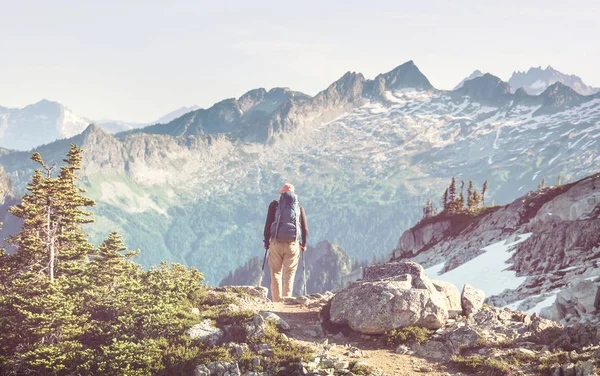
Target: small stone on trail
278,320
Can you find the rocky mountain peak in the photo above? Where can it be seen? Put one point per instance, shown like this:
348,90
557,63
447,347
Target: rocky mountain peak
558,96
251,98
406,75
538,79
44,107
487,88
476,73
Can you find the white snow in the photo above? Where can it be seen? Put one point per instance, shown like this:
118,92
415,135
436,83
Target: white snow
486,271
543,304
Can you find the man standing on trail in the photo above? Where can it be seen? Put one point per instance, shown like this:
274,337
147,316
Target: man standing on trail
286,223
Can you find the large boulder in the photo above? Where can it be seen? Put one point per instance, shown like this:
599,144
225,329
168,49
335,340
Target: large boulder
471,300
451,295
390,296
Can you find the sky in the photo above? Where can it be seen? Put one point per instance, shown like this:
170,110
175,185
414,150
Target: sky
138,60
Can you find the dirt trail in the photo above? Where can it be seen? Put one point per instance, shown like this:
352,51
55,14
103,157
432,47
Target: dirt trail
305,327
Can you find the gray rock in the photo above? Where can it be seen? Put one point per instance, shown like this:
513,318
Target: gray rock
205,332
392,295
303,300
255,327
201,370
471,300
218,369
265,349
451,295
224,369
281,323
576,301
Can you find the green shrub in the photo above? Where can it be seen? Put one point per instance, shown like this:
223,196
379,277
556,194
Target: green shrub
407,334
481,365
286,353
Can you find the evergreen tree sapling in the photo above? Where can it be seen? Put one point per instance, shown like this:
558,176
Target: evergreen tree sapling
470,195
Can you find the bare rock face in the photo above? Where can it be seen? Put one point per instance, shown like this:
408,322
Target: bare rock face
471,300
577,303
413,240
391,296
452,297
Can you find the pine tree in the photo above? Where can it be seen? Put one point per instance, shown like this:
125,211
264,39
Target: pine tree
51,240
483,191
470,195
452,196
476,199
542,184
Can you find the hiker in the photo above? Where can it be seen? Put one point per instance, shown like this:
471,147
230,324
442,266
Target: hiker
286,223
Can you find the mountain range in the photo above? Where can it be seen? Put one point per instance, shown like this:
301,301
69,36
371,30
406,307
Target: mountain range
364,154
47,121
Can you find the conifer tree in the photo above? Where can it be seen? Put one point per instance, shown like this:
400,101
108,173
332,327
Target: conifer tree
452,196
476,199
51,240
542,184
470,195
483,191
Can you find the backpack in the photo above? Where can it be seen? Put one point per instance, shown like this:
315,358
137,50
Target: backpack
287,218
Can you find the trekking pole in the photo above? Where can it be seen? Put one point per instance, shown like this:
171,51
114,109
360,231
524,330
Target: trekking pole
263,268
303,273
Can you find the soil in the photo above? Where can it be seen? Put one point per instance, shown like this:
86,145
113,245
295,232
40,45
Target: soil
305,328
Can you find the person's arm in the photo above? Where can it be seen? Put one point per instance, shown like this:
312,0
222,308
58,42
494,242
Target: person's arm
269,222
303,226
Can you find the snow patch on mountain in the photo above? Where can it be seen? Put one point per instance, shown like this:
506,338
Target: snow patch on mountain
488,271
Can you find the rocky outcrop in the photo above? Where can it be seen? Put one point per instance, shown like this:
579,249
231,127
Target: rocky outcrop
390,296
577,303
564,223
420,237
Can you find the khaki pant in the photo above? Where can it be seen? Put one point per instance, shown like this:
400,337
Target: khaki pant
283,256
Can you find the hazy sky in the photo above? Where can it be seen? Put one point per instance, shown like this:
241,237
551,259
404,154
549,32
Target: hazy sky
137,60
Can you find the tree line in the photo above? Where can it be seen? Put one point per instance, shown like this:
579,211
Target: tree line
68,307
454,201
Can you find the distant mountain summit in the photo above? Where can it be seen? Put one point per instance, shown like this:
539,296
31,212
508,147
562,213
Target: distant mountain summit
175,114
47,121
536,80
487,88
37,124
476,73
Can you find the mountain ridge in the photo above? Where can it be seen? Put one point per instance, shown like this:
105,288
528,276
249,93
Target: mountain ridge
356,154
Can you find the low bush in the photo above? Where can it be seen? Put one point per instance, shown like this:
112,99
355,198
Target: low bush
407,334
